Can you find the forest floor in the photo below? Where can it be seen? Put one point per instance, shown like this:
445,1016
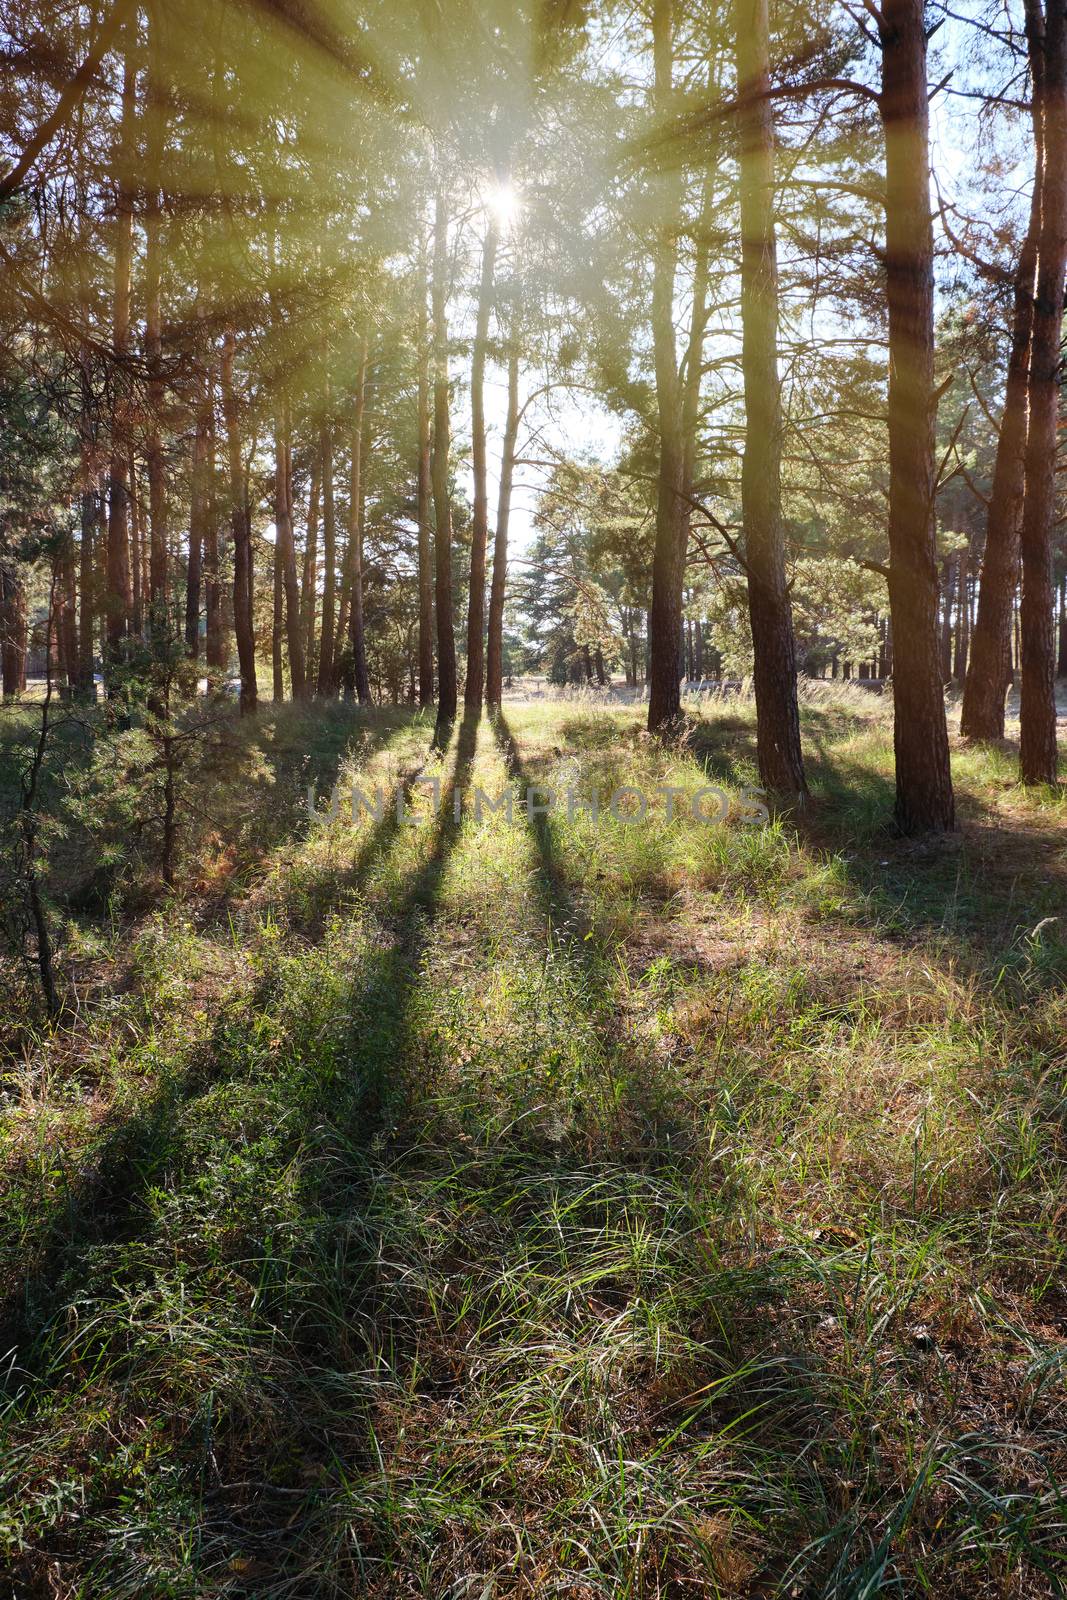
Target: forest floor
567,1206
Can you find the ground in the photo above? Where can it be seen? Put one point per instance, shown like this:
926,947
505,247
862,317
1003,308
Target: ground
566,1206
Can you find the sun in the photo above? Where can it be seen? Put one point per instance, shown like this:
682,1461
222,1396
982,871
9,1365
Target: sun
504,203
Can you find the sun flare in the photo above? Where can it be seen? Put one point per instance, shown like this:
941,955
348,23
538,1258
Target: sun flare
504,203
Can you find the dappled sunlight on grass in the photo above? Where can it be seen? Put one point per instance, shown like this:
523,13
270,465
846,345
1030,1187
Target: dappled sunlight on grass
667,1207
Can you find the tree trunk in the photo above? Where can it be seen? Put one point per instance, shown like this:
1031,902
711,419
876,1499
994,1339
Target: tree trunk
494,660
446,640
91,512
198,515
475,681
67,618
920,733
672,506
243,625
286,549
214,650
12,632
781,766
326,684
424,497
277,628
989,672
138,578
1061,666
310,579
356,633
1037,689
117,596
156,102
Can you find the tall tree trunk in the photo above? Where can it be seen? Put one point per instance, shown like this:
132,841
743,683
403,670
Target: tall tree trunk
329,559
243,626
446,639
356,633
198,517
310,579
67,621
91,500
277,662
920,733
781,767
672,504
424,497
156,117
494,661
12,631
286,557
117,596
90,521
214,649
1061,665
138,576
989,671
472,691
1037,689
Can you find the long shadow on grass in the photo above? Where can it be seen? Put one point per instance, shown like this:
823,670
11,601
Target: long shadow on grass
985,888
101,1198
559,905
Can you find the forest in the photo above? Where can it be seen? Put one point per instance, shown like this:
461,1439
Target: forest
533,832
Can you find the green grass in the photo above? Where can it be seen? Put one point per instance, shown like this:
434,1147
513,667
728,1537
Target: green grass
551,1207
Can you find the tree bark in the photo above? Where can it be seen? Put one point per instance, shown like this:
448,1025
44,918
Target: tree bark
91,517
475,681
326,684
1037,688
356,631
989,671
277,665
446,639
198,516
155,108
243,626
117,597
920,734
310,579
424,498
214,649
781,766
138,577
672,506
494,661
286,549
12,632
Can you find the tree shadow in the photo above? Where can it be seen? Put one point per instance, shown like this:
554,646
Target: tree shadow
362,1339
557,903
133,1152
983,888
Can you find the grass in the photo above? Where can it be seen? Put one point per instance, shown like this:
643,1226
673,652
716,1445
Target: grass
554,1207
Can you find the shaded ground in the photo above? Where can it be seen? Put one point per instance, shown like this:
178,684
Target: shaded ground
566,1205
